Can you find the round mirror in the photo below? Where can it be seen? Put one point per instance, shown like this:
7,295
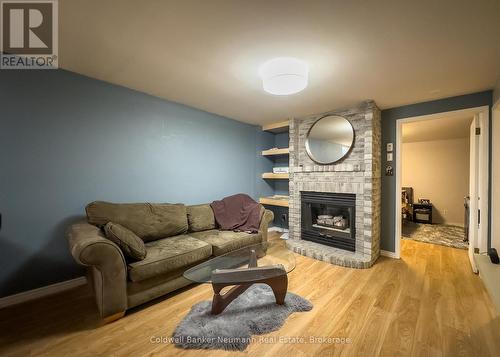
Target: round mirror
329,139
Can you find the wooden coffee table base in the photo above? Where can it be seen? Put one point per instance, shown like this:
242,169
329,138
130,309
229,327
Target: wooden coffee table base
279,285
275,276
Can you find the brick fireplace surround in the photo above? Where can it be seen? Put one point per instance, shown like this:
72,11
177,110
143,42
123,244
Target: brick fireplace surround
358,173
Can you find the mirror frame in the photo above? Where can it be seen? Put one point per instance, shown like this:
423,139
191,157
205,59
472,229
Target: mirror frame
340,159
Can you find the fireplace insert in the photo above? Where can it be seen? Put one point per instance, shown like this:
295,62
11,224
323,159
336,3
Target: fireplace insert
329,218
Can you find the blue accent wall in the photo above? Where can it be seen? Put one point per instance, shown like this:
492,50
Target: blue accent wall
389,119
66,140
281,140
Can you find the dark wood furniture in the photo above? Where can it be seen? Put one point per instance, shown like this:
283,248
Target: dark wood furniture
422,213
242,279
263,263
407,203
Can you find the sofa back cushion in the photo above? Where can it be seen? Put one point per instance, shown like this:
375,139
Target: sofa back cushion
200,218
131,245
150,221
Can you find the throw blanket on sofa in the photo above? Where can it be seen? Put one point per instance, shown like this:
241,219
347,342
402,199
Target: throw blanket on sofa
237,213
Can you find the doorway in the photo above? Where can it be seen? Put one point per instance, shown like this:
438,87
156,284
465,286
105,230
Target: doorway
440,160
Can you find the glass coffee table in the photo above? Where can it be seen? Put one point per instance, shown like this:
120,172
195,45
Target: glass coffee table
263,263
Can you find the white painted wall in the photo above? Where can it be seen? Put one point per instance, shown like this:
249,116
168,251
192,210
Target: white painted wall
495,214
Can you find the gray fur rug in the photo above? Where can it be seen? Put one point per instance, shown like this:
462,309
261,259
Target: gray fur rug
254,312
447,235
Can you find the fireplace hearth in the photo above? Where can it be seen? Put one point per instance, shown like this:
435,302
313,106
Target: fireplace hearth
329,218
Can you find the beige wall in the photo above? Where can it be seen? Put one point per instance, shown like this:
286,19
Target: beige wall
439,170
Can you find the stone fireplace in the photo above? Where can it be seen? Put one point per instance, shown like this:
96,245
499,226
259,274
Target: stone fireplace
334,210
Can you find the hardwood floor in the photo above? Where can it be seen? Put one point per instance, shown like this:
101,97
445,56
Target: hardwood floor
427,303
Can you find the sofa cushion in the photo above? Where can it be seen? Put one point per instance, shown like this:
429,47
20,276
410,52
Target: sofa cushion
131,245
150,221
200,218
226,241
168,255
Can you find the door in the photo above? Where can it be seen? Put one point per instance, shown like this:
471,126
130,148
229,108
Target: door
478,187
473,191
482,182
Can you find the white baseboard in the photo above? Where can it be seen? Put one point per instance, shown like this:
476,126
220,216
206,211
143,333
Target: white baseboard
386,253
277,229
41,292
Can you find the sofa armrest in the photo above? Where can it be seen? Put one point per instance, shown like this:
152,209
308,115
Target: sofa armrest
266,219
91,248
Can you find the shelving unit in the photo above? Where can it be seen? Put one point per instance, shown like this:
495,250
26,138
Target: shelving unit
273,176
273,152
276,128
281,201
279,156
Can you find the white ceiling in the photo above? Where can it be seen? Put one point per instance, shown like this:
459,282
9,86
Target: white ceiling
206,54
454,125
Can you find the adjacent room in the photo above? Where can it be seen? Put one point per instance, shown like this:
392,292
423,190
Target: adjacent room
435,180
258,178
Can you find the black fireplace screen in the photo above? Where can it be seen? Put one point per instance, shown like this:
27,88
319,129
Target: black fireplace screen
329,218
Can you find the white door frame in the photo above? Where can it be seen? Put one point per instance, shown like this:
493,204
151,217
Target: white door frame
399,125
495,188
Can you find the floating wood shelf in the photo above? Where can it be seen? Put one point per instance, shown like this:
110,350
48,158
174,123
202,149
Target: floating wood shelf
271,152
273,176
281,201
276,128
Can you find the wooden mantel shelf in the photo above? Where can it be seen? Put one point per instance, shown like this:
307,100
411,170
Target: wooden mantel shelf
273,176
281,127
276,200
271,152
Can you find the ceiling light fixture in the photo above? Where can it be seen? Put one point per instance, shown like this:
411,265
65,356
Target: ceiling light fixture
284,76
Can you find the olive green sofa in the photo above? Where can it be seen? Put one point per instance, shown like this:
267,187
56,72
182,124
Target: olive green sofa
176,238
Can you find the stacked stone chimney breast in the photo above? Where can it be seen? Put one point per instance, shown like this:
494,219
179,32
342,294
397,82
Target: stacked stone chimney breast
359,173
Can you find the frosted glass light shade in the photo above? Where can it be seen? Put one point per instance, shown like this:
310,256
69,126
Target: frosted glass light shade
284,76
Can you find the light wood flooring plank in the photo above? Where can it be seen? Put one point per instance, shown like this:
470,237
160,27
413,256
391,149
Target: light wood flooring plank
429,303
